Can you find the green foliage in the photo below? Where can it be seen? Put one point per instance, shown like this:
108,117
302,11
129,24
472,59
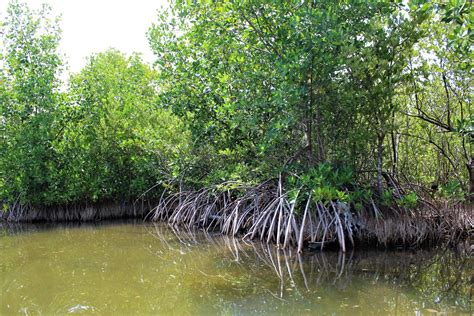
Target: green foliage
326,175
459,16
31,103
105,138
387,199
409,200
271,86
122,143
332,95
326,183
452,190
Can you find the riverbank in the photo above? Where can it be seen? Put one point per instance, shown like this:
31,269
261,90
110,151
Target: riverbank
268,214
77,212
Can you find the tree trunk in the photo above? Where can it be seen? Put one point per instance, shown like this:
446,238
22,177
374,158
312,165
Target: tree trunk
309,142
395,141
470,171
319,140
314,114
380,138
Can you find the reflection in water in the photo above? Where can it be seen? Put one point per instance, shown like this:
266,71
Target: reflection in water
441,278
136,268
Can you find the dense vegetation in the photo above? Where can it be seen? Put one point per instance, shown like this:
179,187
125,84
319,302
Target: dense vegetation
359,105
102,137
277,86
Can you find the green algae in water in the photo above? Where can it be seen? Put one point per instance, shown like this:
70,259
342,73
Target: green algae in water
152,269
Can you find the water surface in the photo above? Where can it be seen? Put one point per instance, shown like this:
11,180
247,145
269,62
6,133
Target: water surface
140,268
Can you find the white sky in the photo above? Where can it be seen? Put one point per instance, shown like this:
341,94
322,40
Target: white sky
91,26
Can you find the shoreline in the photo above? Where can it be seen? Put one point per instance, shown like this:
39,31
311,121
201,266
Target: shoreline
77,212
451,229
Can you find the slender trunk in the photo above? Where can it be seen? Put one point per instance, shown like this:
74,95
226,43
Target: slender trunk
309,141
380,139
448,105
470,169
309,119
395,141
395,135
313,114
319,140
318,122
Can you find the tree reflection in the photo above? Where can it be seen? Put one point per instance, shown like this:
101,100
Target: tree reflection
440,279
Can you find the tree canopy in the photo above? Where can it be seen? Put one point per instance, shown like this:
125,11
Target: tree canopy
275,86
353,98
102,137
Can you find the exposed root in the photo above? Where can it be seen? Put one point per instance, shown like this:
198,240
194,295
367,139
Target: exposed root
266,212
76,212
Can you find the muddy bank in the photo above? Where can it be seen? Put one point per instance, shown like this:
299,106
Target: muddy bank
79,212
275,220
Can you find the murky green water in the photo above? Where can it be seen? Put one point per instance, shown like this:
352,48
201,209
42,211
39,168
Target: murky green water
147,269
